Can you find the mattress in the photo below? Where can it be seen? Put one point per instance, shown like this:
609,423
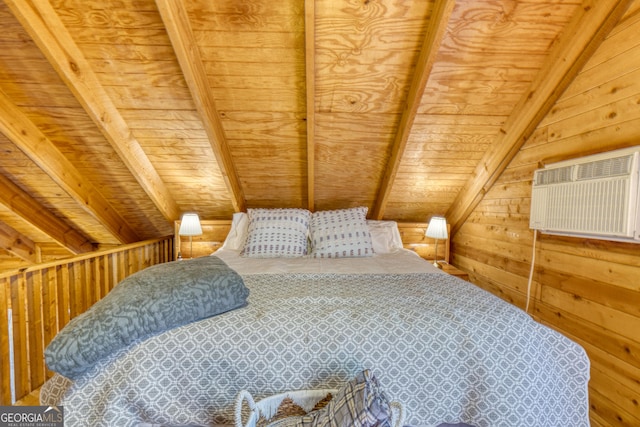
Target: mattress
447,350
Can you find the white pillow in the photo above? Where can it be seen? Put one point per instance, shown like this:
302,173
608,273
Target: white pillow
385,236
341,233
277,233
238,232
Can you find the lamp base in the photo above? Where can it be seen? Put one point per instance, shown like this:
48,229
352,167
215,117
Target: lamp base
435,256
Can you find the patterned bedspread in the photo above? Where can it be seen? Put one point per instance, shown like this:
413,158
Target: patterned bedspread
447,350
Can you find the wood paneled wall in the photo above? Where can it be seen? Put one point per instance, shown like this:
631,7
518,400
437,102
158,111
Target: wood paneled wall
214,232
587,289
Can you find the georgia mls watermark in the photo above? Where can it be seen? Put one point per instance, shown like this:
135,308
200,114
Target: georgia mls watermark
31,416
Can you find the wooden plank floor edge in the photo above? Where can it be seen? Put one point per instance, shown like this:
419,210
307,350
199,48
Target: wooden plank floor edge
31,399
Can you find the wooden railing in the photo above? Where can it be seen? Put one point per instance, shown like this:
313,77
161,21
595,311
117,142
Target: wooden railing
36,302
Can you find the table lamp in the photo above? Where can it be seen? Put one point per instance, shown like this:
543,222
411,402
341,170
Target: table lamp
437,230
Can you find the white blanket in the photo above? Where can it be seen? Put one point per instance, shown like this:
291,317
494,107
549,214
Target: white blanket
447,350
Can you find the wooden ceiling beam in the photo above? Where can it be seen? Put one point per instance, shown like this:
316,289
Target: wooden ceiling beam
29,138
310,71
176,21
438,22
592,22
44,26
17,244
23,205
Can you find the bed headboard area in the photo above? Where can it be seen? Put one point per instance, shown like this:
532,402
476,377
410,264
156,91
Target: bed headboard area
214,233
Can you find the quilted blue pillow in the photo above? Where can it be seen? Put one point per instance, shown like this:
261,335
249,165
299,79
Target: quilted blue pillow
148,302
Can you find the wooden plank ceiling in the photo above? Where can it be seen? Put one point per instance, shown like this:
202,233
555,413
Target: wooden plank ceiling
118,116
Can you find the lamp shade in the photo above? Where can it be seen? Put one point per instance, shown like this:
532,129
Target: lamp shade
190,225
437,228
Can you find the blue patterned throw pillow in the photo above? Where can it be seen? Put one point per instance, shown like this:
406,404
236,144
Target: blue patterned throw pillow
341,233
277,233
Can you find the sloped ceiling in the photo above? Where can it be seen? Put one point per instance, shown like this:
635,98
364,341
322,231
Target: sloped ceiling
118,116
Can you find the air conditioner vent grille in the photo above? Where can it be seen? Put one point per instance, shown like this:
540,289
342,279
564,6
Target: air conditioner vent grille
594,207
554,176
616,166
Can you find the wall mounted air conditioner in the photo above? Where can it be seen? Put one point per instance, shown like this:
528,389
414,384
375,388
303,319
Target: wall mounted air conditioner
596,197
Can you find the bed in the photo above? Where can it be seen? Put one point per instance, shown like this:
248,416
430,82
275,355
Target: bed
447,350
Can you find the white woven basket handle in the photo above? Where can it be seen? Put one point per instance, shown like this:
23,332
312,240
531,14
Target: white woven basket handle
242,396
396,407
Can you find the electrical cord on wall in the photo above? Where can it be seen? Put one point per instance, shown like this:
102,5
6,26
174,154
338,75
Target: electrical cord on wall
533,261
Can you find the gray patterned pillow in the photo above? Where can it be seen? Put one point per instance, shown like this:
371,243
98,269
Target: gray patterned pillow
277,233
341,233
